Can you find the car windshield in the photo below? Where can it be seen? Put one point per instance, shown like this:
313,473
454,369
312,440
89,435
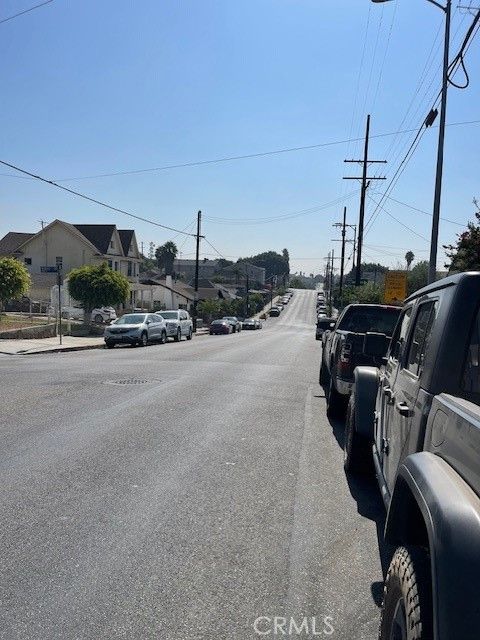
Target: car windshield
170,315
230,318
375,319
219,322
132,318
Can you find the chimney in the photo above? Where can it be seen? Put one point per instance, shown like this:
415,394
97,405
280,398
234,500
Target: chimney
169,293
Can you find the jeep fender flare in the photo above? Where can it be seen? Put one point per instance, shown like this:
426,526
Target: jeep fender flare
428,487
365,390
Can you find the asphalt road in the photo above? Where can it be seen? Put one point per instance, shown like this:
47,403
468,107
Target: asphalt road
182,491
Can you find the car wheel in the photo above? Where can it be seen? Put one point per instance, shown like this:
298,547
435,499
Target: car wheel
178,335
98,319
357,456
109,344
335,401
323,376
190,334
163,337
407,597
143,339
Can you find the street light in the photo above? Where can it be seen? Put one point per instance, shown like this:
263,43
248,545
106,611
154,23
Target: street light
447,9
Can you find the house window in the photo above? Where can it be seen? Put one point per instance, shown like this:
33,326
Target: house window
111,244
116,266
28,261
129,269
110,264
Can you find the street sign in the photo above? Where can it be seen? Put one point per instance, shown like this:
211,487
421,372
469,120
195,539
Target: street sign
395,286
48,269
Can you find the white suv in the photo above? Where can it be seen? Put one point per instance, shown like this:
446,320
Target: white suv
179,323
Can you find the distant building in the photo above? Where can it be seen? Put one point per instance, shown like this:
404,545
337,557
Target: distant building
237,273
185,269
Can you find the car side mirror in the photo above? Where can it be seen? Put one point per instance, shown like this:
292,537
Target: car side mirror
375,345
332,324
148,321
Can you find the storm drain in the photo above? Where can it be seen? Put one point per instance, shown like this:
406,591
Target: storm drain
130,381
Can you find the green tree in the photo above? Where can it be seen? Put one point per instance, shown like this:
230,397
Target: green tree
417,277
296,283
464,255
210,309
94,286
409,258
368,293
14,280
165,255
274,263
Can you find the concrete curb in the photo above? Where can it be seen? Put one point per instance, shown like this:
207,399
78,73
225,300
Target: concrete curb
59,349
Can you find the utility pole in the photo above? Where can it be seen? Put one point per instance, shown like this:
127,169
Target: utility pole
432,268
365,182
331,283
197,260
247,300
343,226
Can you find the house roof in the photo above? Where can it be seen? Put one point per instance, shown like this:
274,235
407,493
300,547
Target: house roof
178,262
98,234
126,236
12,240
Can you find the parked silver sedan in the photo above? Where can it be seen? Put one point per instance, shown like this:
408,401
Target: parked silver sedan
136,329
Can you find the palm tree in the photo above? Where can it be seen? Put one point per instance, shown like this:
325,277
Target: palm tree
165,255
409,257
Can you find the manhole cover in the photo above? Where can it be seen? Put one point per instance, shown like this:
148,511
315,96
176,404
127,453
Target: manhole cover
130,381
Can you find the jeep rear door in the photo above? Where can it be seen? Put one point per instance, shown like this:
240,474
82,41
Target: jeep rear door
404,410
388,376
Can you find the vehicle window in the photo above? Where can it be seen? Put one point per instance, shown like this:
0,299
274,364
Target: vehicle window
421,337
376,319
157,318
170,315
400,335
471,369
131,318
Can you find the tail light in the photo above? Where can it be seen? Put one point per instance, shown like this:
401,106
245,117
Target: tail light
344,363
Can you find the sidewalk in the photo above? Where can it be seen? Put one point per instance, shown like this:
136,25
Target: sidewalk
50,345
266,309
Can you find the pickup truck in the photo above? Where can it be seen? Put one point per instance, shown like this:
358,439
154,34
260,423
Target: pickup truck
343,349
416,421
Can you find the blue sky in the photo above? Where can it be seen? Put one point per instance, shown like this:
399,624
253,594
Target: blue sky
97,87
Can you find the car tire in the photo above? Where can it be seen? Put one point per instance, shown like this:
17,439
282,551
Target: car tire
178,335
109,344
163,337
98,319
190,334
407,597
323,375
335,401
143,339
357,454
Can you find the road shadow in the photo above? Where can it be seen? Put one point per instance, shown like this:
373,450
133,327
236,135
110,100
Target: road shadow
364,490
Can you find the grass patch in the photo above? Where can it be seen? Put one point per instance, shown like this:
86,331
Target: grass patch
20,322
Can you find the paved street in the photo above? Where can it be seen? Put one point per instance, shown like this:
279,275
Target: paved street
181,491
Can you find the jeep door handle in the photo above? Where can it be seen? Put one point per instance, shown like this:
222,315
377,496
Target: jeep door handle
388,393
403,409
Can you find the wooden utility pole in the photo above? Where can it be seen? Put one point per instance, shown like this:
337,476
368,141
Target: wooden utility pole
197,260
365,182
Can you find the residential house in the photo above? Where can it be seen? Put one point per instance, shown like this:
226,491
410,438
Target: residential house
186,268
73,245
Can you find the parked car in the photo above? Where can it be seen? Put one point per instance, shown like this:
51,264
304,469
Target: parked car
274,312
258,323
179,324
100,315
323,324
343,349
417,417
249,323
220,326
235,322
136,329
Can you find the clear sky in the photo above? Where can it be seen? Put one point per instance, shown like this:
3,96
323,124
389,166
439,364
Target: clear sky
94,87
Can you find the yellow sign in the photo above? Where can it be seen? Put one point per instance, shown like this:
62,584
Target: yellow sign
395,286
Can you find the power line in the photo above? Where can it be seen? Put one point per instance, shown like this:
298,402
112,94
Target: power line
288,216
242,157
90,199
427,213
380,206
21,13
